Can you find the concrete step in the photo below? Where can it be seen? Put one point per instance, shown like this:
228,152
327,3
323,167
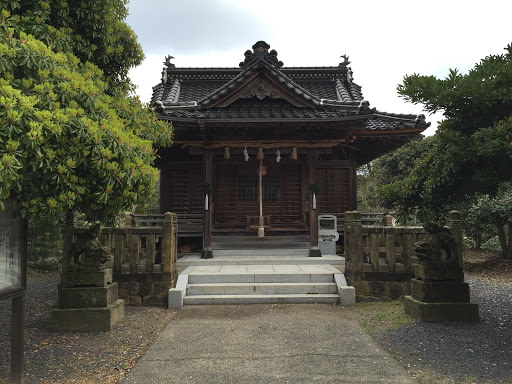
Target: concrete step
261,288
236,277
261,252
252,284
261,299
187,260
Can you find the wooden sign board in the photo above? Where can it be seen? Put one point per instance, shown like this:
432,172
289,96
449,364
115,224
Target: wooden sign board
13,251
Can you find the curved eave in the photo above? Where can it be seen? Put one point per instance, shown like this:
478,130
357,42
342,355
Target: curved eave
271,120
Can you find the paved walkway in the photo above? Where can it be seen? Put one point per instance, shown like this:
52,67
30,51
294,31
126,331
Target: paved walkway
279,270
299,343
270,258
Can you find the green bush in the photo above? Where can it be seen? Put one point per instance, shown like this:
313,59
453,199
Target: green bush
45,242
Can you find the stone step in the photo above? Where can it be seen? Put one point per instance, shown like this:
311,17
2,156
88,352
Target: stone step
187,260
253,284
235,277
261,288
261,299
261,252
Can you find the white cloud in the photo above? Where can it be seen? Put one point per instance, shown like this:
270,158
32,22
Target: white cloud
385,40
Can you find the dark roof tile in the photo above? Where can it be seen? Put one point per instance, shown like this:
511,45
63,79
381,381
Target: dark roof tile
329,91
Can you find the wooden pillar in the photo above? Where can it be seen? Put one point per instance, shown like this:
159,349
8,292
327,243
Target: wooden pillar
261,229
207,206
17,338
353,183
314,249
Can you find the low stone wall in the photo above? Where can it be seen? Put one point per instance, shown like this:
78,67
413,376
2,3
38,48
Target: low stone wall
382,290
146,288
380,260
144,262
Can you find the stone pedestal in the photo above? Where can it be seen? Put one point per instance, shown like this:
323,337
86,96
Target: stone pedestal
440,294
87,302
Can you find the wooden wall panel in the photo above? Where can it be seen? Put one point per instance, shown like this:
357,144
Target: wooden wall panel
225,194
229,210
291,196
183,191
334,195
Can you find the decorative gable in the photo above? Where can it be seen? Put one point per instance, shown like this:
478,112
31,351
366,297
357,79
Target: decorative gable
260,53
261,83
261,90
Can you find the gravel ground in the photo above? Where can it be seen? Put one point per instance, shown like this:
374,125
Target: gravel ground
479,352
69,357
451,352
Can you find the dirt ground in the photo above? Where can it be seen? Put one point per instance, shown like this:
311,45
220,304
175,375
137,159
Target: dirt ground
488,266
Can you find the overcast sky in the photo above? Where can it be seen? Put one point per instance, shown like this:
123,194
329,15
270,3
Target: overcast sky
385,40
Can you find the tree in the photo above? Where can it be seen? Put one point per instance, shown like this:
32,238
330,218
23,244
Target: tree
94,30
487,212
387,169
398,164
471,151
68,141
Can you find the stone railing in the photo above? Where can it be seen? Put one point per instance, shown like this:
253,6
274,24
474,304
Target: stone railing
144,260
379,259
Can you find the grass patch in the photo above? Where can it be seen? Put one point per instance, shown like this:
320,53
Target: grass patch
380,317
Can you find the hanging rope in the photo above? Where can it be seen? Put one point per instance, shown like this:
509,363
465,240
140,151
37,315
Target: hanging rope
266,144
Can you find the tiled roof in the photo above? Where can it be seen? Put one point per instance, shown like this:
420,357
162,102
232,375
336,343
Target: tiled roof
321,89
260,109
390,121
193,90
320,92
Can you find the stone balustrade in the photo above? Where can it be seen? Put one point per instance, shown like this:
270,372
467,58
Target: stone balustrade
380,259
144,260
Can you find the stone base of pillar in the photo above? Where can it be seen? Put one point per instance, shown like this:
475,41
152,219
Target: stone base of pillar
314,252
206,254
432,312
87,302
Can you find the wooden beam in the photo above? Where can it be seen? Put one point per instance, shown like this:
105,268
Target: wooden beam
17,338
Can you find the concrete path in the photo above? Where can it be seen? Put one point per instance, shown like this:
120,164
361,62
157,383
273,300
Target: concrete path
279,343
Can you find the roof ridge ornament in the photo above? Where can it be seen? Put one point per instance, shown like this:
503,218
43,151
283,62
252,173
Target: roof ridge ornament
167,61
260,53
350,75
345,62
168,65
420,120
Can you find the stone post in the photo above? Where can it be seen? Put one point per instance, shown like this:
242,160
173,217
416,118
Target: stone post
129,220
353,252
455,226
387,220
170,219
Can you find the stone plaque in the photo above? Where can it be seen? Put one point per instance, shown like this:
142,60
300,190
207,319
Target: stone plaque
12,250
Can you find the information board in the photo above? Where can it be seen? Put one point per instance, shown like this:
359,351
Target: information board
12,250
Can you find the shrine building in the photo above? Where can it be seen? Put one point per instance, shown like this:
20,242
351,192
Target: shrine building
263,149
